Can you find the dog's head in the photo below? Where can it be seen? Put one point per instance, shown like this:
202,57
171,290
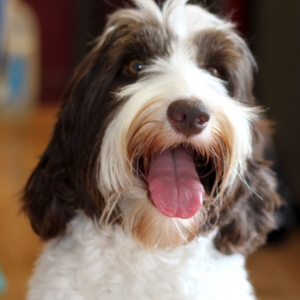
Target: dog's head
159,131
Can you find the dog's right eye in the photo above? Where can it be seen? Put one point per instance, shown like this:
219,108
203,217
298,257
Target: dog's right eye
133,68
214,72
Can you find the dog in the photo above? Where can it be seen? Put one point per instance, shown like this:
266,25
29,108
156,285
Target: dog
154,184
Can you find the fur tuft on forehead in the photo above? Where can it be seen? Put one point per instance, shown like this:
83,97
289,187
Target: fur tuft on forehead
175,10
175,16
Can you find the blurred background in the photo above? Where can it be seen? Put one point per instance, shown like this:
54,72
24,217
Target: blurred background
41,42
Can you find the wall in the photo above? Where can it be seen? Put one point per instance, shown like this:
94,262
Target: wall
276,25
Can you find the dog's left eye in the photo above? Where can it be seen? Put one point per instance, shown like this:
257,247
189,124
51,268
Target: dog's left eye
214,72
134,67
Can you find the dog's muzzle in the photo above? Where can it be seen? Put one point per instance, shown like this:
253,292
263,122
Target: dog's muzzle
174,185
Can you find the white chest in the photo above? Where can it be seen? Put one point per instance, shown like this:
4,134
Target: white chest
92,264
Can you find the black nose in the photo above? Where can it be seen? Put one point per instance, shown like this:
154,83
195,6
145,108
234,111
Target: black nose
189,117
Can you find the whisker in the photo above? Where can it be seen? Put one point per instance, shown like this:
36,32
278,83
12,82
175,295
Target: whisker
248,186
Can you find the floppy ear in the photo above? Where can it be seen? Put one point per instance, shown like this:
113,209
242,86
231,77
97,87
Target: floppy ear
247,221
50,198
246,214
65,178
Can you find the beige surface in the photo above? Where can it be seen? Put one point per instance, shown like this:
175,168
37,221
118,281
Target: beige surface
20,145
275,271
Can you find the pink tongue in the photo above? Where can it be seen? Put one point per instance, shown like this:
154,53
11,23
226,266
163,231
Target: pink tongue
174,184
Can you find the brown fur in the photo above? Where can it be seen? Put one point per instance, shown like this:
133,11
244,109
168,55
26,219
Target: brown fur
227,52
245,223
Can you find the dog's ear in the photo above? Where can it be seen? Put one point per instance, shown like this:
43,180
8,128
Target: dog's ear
241,71
49,197
248,218
65,178
247,210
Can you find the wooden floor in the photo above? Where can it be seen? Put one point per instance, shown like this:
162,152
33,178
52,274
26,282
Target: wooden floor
274,271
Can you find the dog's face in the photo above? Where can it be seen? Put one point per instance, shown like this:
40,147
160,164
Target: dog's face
159,131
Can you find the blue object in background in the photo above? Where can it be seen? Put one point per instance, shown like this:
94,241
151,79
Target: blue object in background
17,71
2,283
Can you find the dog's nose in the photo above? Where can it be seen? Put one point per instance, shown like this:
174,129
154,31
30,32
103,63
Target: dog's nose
188,116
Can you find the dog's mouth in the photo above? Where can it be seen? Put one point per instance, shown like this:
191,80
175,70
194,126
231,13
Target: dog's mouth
177,180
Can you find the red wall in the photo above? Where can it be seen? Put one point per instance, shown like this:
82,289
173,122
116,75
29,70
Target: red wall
240,12
59,22
55,19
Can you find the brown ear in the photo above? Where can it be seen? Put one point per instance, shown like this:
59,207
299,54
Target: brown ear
246,222
64,180
49,196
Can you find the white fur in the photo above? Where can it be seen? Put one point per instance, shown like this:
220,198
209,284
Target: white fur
91,263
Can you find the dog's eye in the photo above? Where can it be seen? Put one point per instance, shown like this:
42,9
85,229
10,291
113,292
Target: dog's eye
134,67
214,72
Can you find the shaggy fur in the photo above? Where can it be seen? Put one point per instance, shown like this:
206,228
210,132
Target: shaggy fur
90,195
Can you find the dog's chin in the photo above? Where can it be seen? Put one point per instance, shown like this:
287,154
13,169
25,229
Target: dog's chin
152,221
